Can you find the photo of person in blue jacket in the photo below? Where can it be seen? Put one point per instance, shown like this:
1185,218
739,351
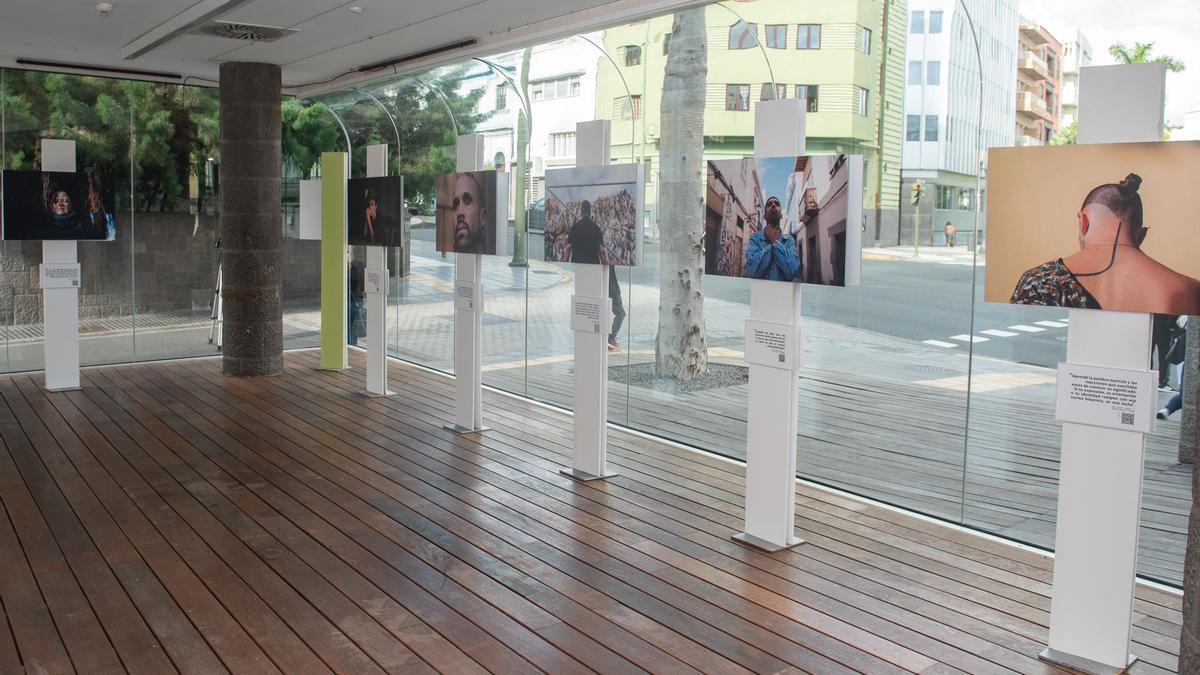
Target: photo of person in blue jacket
772,253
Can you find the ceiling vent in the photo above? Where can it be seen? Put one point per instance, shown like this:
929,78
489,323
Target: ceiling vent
248,32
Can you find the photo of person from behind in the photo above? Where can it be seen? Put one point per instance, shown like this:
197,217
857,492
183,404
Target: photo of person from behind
1110,270
772,253
585,241
593,215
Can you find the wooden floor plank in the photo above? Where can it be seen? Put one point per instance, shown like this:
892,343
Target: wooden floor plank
416,517
292,523
725,542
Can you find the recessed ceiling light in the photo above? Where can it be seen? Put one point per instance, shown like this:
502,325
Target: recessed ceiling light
356,10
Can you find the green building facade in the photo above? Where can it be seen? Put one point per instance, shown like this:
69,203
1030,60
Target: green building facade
838,56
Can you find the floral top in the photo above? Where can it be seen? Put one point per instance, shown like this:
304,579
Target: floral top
1053,285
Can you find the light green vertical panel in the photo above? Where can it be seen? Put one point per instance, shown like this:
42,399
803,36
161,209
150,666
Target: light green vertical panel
333,260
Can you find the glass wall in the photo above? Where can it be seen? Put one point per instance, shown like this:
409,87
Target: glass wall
149,293
913,390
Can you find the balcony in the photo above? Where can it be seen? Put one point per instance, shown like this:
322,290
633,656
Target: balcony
1032,106
1033,66
1036,35
1027,141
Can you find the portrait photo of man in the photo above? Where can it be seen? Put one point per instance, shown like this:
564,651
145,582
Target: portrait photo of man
772,253
466,213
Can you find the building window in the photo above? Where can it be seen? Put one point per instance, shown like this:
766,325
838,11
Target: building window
501,97
560,87
864,39
562,144
737,97
931,127
966,200
777,36
633,55
666,43
743,35
944,197
912,131
933,72
914,72
863,101
935,21
626,110
917,24
808,36
498,161
808,92
780,91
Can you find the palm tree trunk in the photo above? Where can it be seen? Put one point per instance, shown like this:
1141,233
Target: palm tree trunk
681,349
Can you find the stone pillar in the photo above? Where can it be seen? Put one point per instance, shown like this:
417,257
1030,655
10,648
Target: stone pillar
251,220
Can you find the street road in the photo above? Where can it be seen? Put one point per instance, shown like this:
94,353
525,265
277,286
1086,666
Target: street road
921,300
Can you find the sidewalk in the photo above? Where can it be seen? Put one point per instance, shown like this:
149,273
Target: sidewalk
958,255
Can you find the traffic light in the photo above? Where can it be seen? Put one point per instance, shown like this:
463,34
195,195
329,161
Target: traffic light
915,198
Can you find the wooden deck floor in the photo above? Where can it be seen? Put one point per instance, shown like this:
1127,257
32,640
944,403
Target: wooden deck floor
164,518
902,443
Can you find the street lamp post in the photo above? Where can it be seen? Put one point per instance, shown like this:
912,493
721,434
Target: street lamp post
917,190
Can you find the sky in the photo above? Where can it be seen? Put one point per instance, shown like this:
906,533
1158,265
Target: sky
1170,24
773,175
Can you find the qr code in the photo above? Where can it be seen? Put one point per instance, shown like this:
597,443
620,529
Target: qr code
782,357
595,328
1127,419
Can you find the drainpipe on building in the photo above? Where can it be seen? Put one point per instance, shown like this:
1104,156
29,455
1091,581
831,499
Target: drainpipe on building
882,99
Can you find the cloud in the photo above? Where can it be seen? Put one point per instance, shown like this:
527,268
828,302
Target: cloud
1169,24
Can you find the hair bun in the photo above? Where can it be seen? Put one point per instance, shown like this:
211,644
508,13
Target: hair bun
1131,184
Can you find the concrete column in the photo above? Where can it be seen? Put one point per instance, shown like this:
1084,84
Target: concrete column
251,222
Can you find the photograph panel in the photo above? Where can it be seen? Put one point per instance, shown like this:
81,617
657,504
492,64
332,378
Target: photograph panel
375,211
594,215
468,218
49,205
1104,226
795,219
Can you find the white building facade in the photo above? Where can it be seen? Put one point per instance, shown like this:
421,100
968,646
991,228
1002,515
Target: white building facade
562,91
942,148
1077,53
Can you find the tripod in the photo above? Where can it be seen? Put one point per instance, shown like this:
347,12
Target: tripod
215,328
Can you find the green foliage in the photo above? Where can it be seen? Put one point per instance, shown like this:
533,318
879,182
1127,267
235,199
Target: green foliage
421,145
1140,53
176,129
1066,135
173,127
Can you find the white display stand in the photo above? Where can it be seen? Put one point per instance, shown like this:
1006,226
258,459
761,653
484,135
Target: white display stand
1100,475
377,301
773,399
310,209
60,306
468,269
589,447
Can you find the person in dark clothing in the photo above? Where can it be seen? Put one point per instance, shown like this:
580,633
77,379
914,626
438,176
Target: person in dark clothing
357,294
618,307
1164,332
585,241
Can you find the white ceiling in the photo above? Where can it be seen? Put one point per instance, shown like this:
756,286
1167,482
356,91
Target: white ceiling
333,40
